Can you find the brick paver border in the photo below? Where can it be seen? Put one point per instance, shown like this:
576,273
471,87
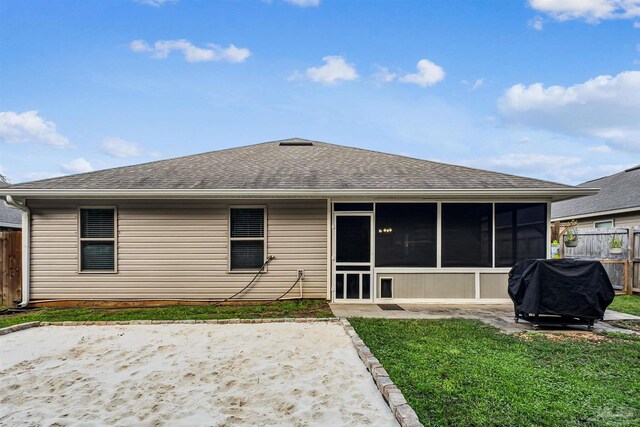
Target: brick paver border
405,415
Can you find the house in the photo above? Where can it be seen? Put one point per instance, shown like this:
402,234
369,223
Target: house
355,225
10,218
617,204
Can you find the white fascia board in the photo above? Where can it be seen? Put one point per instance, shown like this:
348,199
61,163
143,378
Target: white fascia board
553,194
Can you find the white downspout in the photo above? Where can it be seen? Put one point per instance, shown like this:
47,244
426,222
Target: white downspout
26,248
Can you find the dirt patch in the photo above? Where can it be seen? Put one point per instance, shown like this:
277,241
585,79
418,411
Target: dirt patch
565,336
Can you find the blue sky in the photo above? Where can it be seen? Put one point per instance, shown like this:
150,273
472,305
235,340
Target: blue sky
542,88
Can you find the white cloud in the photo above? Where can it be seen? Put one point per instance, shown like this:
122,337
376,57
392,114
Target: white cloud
211,52
524,140
384,75
155,3
478,83
606,107
34,176
118,147
536,23
531,160
601,149
559,168
140,46
29,127
335,68
304,3
427,74
79,165
591,11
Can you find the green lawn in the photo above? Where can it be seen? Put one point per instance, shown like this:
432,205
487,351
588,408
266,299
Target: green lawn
626,304
457,372
303,308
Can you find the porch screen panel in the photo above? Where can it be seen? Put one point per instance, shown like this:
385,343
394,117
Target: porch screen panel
466,235
353,241
521,232
406,234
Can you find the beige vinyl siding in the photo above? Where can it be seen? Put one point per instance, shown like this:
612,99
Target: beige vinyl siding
431,285
494,285
624,220
177,249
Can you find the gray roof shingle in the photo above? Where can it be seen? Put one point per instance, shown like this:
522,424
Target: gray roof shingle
9,217
619,191
292,164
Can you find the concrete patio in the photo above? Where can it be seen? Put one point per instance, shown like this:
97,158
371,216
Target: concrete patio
498,315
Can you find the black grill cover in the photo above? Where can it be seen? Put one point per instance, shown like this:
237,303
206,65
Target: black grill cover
563,287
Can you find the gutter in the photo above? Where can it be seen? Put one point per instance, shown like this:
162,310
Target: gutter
26,247
555,194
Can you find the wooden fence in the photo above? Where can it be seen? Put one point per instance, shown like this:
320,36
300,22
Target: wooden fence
10,267
635,259
623,269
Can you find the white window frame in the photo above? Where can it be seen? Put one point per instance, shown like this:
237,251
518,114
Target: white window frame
612,221
253,239
113,239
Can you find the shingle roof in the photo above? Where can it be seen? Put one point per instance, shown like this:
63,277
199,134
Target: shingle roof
292,164
9,217
619,191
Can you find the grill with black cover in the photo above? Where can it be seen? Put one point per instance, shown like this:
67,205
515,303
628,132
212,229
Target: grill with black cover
565,291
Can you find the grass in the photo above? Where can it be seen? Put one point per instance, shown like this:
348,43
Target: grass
461,372
626,304
302,308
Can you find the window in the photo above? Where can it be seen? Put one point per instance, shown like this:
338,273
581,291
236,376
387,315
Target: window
247,238
603,224
521,232
97,239
406,234
466,235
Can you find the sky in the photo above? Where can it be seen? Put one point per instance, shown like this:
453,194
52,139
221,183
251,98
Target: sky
542,88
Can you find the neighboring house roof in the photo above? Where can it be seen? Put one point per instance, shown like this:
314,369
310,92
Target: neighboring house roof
10,217
617,192
292,164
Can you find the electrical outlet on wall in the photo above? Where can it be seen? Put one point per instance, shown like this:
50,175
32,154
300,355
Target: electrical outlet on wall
300,273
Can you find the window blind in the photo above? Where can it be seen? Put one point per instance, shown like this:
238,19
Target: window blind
97,239
247,254
97,256
247,222
97,223
247,238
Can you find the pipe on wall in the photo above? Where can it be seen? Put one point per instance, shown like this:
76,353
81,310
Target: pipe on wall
26,247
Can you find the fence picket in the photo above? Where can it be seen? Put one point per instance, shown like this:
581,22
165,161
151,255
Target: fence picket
595,244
